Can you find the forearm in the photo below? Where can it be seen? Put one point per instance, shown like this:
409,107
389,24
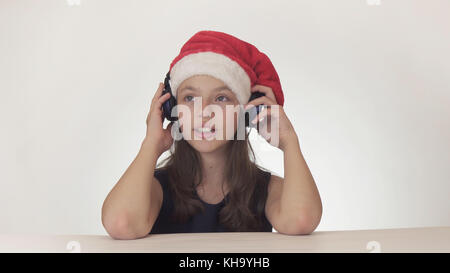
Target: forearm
128,203
300,199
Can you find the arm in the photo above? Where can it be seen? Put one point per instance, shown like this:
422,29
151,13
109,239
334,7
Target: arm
132,206
293,204
300,205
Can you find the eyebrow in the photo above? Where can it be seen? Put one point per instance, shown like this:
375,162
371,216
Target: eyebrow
217,89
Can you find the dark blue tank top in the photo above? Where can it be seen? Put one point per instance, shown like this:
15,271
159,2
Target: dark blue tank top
208,221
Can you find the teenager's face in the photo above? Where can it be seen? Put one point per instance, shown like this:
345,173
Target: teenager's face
207,100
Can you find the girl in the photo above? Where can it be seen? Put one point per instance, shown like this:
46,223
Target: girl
210,182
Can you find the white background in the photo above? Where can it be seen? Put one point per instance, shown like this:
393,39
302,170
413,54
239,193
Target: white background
367,89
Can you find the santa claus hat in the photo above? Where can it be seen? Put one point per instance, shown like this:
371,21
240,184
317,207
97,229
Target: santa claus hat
237,63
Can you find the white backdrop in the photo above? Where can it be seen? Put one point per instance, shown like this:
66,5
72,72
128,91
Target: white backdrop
367,87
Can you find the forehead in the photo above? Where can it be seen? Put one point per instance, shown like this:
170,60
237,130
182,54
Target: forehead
200,82
201,89
203,83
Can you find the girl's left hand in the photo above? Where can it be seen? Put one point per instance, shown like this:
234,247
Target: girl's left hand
270,117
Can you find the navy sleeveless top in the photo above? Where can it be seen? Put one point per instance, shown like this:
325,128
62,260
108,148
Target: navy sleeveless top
208,221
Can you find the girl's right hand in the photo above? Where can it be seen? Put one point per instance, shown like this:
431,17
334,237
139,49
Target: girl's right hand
156,136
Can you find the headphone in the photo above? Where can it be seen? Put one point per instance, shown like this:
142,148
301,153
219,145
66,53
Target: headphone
168,105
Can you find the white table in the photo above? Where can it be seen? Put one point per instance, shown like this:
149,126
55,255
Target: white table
429,239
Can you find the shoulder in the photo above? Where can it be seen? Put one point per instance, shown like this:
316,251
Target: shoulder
274,181
161,175
275,184
160,171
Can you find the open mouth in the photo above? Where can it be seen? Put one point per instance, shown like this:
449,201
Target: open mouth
204,132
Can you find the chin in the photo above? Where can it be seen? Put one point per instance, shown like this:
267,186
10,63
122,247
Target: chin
206,146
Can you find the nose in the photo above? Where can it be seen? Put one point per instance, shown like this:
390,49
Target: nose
208,112
205,112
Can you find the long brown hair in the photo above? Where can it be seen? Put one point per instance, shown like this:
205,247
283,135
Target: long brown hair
245,202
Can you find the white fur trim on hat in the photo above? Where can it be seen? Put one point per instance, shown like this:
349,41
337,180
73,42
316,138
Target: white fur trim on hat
215,65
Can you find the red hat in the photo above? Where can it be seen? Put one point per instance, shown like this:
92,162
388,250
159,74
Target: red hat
237,63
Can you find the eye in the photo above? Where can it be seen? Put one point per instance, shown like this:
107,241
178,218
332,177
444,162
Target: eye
188,98
222,98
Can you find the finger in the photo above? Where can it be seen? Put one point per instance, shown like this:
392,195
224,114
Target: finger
158,92
158,104
160,89
261,100
163,98
264,89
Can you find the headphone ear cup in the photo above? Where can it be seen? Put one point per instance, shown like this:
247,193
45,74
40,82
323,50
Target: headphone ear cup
168,105
251,113
167,108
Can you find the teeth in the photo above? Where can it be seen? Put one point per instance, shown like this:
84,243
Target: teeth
204,130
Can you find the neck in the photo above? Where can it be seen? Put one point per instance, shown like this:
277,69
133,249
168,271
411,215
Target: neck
213,165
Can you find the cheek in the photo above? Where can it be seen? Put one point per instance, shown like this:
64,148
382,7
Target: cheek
186,120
